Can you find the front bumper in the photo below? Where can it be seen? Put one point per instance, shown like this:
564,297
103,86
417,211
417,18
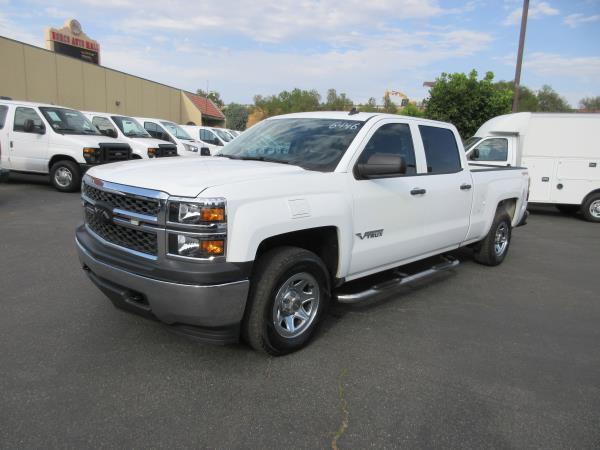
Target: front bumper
207,312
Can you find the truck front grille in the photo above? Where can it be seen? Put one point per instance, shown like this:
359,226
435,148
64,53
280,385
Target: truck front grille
146,206
137,240
115,152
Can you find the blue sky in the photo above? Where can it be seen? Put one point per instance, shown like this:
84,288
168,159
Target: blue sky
360,47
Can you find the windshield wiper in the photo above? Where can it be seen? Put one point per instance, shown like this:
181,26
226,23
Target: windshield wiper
257,158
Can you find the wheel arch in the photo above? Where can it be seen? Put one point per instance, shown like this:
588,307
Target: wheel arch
58,158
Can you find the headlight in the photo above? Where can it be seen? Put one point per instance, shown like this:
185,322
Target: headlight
91,154
152,152
206,211
191,148
195,247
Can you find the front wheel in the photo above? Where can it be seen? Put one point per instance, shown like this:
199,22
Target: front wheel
492,250
290,290
65,176
591,208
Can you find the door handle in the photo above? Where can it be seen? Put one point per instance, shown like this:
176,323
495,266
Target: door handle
465,187
545,179
417,191
11,144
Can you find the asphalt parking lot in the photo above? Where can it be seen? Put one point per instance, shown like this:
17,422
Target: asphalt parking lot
475,358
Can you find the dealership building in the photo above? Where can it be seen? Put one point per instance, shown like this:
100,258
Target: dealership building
68,73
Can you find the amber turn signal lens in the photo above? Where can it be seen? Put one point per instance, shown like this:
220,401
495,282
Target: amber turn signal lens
213,215
89,151
213,247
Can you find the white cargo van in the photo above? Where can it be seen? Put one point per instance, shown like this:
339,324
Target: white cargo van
206,136
127,129
561,151
166,130
41,139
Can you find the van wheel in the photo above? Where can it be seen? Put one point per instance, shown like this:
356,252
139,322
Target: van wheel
289,293
591,208
492,250
65,176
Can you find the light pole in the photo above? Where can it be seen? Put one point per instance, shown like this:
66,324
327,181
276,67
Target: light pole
520,55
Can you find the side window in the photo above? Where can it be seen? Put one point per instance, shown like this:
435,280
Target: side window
152,129
103,125
441,151
393,139
495,149
3,112
22,114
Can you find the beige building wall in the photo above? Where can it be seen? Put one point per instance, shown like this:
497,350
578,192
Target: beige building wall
35,74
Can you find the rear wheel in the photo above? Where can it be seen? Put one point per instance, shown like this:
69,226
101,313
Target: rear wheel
65,176
289,293
492,250
591,208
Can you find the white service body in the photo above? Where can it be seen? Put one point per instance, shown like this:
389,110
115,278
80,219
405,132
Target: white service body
561,152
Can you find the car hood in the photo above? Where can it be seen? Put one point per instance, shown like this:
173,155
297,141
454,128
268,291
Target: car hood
188,177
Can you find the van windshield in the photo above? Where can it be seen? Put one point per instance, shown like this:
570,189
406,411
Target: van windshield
313,144
130,127
222,134
471,142
68,121
176,130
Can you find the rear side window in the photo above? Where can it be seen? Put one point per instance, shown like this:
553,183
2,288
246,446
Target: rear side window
3,111
392,139
495,149
441,151
22,114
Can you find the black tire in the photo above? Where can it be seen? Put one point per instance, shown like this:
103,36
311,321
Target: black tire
591,208
487,252
272,274
568,209
65,176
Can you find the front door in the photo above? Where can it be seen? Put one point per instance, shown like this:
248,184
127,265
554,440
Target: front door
387,218
28,148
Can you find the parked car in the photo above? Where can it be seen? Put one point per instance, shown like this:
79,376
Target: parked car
168,131
255,242
127,129
223,135
39,138
561,152
206,136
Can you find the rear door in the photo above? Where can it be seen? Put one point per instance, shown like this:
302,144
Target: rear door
387,218
28,149
445,190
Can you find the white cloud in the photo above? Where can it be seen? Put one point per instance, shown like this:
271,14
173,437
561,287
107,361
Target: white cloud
536,11
574,20
583,68
14,31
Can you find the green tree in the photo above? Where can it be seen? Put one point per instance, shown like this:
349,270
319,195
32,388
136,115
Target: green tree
236,116
411,110
550,101
337,102
388,105
528,101
297,100
590,103
466,101
371,106
214,96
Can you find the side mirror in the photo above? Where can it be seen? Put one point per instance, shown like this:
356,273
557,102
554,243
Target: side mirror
382,165
474,156
29,127
204,151
111,133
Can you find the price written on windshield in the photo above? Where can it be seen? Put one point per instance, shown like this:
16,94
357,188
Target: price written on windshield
344,126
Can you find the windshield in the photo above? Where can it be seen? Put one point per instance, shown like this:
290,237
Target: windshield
176,131
130,127
471,142
68,121
222,134
313,144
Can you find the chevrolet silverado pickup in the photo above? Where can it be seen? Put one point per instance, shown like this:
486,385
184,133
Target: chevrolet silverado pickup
254,242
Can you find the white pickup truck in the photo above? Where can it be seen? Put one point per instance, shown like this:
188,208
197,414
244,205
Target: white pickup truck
255,241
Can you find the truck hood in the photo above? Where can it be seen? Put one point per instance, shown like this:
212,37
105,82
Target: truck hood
189,177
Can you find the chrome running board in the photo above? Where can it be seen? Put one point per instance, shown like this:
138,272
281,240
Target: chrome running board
400,280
